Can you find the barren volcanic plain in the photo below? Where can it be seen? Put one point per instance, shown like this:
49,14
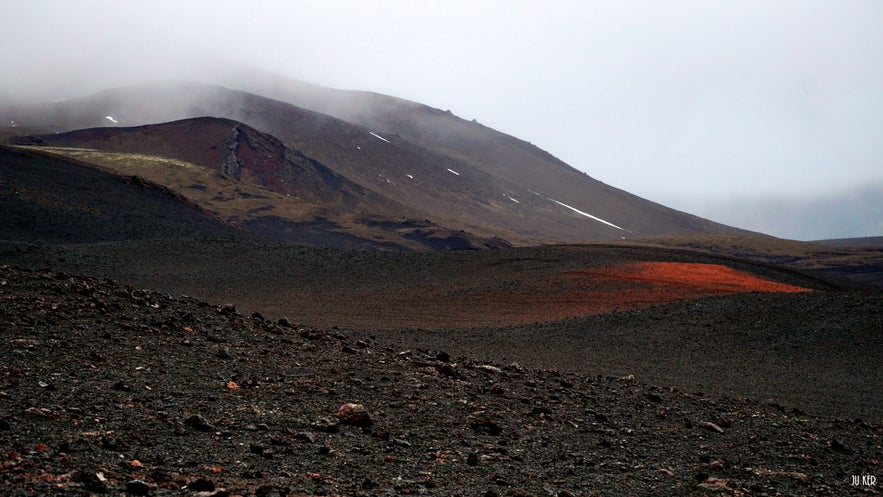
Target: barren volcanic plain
387,305
568,370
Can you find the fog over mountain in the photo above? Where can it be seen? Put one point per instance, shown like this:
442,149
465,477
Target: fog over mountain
702,106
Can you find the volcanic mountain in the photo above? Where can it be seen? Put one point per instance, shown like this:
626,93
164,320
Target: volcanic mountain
253,181
454,173
689,362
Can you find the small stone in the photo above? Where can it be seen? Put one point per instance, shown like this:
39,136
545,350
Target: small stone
354,415
710,426
472,459
137,487
488,368
121,386
201,485
443,357
486,426
279,441
285,322
270,491
305,437
93,482
326,425
199,423
836,446
160,476
448,370
400,442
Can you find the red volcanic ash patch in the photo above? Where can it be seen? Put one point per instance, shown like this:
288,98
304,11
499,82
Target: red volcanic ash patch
492,299
709,277
633,286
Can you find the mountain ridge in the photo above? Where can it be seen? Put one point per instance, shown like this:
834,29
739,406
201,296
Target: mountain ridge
539,205
255,183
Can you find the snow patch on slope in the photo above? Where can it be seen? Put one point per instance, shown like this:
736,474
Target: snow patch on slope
574,209
586,214
111,119
375,135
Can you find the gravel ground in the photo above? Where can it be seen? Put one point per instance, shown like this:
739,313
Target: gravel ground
818,352
105,388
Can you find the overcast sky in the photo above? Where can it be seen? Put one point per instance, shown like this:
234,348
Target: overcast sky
677,101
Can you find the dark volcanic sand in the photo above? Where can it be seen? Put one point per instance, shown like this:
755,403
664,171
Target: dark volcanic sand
380,290
105,388
819,352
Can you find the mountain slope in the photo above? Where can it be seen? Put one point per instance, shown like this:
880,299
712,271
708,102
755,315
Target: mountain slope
488,150
252,180
55,200
232,149
460,174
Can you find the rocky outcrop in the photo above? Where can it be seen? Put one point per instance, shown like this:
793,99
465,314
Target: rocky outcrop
231,166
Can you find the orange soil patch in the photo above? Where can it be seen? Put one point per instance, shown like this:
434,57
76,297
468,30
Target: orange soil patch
531,297
631,286
710,277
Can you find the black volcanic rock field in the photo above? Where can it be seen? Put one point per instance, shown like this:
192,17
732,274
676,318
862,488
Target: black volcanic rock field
344,293
107,389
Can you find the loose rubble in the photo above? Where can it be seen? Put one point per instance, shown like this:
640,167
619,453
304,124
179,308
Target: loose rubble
108,389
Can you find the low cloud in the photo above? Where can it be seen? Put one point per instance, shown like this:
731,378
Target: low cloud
672,99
